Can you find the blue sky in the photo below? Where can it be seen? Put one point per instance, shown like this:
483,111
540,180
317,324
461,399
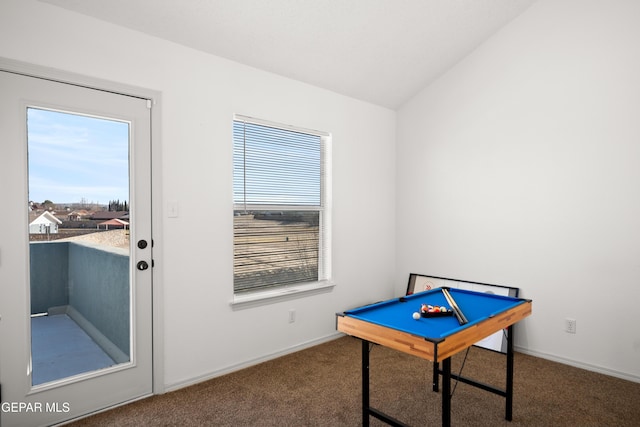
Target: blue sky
74,158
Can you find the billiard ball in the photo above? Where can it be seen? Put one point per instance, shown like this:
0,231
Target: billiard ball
416,315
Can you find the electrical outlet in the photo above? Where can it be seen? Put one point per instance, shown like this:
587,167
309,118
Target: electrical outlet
570,325
292,316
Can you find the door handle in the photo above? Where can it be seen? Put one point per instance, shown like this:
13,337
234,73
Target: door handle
142,265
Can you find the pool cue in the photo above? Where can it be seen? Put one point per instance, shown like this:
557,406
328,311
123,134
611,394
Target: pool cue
456,310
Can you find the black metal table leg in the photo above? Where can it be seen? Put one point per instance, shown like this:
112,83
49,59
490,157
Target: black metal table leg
509,391
446,392
365,383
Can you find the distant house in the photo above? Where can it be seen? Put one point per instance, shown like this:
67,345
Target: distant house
114,224
107,215
78,215
46,223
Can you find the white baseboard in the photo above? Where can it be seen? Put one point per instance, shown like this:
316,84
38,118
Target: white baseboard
251,362
581,365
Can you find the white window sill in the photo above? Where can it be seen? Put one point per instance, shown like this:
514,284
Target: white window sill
252,299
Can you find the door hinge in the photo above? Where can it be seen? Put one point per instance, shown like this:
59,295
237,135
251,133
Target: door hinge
149,103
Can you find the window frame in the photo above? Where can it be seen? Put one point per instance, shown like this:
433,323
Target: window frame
324,282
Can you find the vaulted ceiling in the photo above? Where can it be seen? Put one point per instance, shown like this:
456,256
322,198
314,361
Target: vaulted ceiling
379,51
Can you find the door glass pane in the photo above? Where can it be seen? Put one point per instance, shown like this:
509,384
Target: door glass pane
78,243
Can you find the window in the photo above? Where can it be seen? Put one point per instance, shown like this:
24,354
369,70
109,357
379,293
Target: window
280,198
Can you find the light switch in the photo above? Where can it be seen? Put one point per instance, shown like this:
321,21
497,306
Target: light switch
172,209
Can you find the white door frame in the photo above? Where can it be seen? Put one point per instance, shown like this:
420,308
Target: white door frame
156,183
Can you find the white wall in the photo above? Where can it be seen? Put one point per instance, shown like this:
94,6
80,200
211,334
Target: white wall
203,336
521,167
517,167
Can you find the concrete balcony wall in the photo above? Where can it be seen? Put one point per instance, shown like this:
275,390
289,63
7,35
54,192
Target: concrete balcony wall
91,280
99,290
49,275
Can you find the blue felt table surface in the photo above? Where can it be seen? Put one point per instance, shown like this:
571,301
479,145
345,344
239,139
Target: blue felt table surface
397,313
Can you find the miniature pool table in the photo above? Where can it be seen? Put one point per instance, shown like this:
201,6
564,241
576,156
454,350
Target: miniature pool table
392,324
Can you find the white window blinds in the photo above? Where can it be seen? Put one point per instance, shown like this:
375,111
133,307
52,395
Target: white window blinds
281,234
275,166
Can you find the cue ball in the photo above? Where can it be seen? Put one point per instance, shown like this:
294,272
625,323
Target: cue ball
416,315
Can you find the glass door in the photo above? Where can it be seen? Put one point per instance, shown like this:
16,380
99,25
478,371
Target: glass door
79,246
75,253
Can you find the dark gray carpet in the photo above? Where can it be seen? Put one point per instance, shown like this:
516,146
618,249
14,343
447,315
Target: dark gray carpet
321,386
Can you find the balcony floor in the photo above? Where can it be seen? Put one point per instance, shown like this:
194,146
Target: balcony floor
60,349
